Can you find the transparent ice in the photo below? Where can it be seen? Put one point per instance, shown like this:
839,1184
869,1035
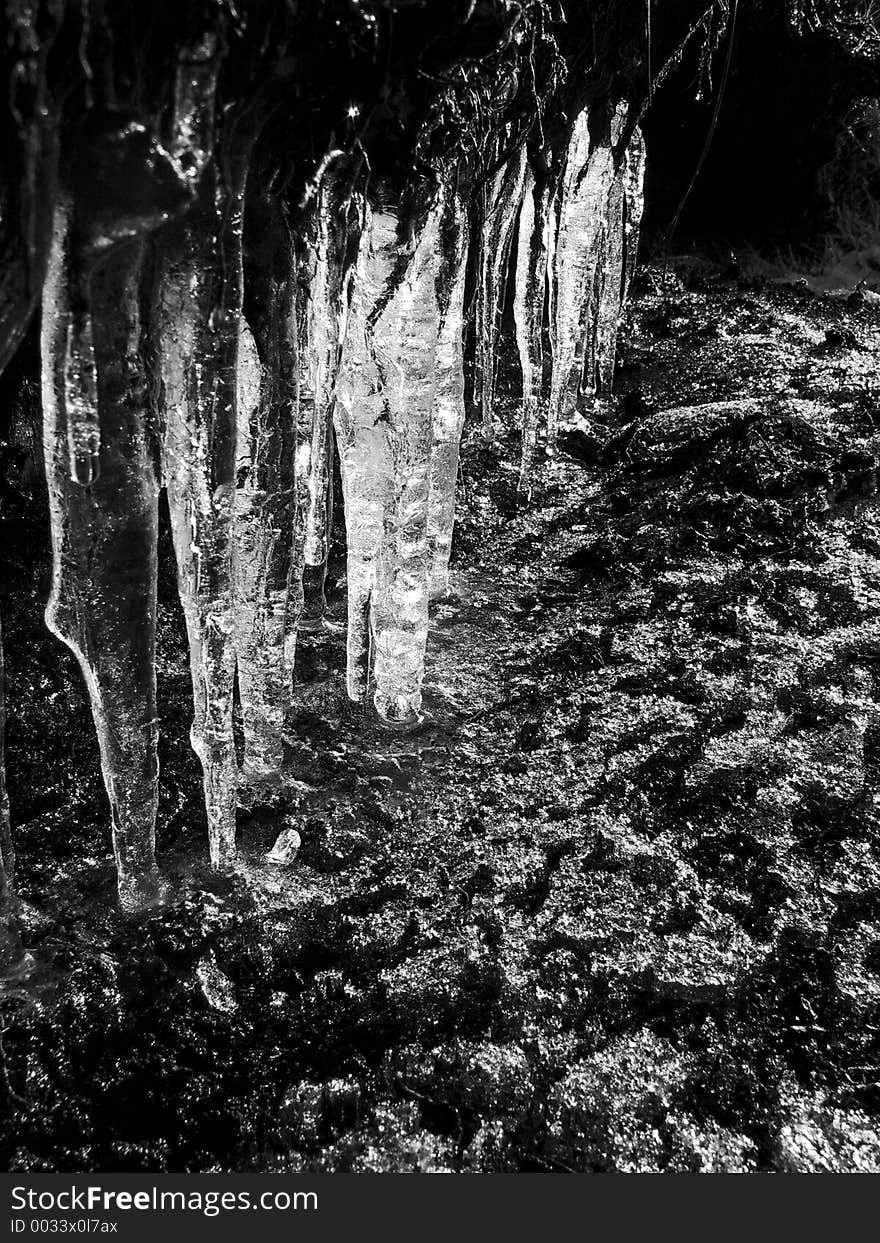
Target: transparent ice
600,209
103,599
102,445
577,269
530,299
331,226
449,404
198,323
267,572
384,416
619,244
500,201
633,202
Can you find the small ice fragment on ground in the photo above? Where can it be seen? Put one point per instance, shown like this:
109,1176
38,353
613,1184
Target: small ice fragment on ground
286,847
217,987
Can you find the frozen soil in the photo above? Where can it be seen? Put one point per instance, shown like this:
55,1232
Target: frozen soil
615,907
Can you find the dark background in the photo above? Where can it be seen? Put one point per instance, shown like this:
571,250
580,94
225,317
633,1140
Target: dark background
794,139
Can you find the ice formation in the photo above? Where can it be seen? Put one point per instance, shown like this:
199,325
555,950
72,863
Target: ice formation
103,600
500,200
533,252
384,418
218,316
617,239
587,181
599,217
449,404
198,322
633,204
28,166
28,177
101,441
267,569
329,235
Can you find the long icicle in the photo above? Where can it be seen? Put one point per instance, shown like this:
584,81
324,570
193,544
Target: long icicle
587,180
103,601
198,324
530,299
28,185
500,204
267,555
449,403
634,202
613,264
329,238
384,425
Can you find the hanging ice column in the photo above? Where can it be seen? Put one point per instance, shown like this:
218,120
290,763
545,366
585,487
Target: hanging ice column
101,442
593,260
501,198
384,415
28,177
619,249
267,553
332,221
101,464
633,173
103,601
449,404
587,180
198,321
533,252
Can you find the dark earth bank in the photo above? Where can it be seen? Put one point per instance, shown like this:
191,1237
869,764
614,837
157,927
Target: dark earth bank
616,907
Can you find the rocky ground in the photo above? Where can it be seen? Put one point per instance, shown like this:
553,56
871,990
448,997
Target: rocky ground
616,907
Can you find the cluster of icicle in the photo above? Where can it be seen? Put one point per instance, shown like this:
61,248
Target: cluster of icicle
265,342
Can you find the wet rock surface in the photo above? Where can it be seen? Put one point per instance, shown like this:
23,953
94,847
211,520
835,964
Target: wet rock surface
616,904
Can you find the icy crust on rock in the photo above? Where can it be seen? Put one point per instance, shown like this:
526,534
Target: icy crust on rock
384,420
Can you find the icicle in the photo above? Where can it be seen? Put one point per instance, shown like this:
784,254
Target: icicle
501,199
634,200
325,277
609,295
30,163
578,270
449,404
198,322
81,396
384,422
13,960
530,297
267,557
191,141
103,600
613,262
